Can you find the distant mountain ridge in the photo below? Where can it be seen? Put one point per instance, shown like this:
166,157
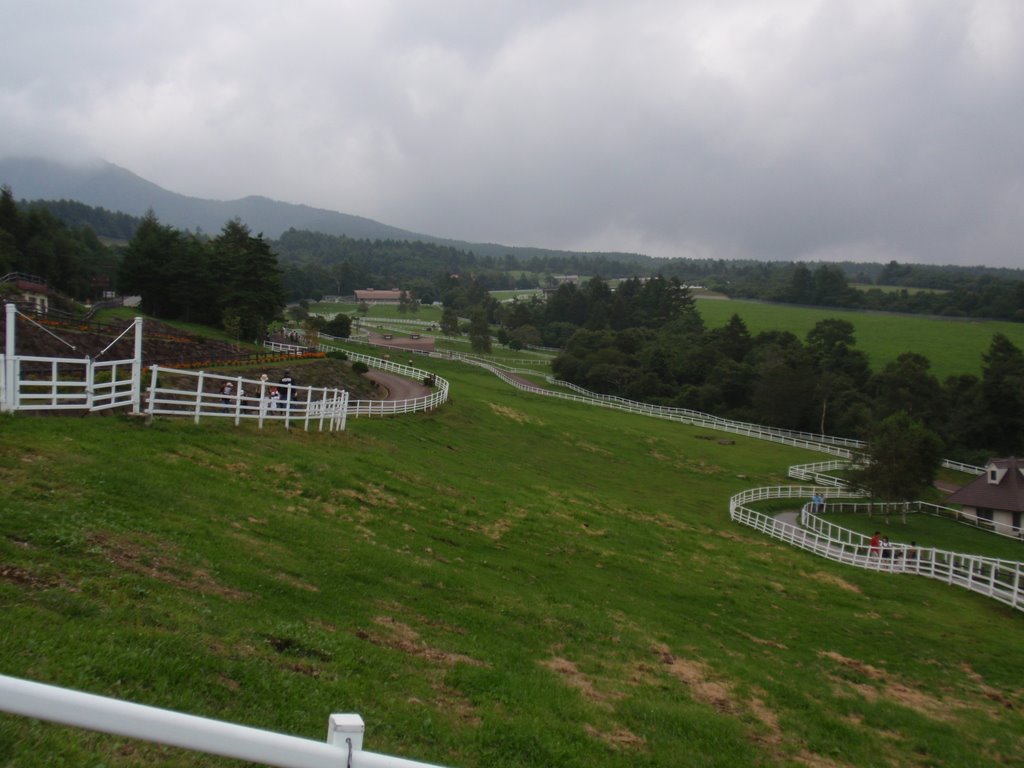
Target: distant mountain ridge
109,186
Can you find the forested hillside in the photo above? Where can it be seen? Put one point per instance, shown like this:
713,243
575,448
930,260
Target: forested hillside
646,341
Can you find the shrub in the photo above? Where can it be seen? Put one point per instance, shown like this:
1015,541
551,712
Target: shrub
360,367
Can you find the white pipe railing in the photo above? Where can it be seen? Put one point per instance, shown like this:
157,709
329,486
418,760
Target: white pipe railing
199,734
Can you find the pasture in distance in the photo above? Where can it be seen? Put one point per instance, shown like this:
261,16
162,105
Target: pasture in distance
954,346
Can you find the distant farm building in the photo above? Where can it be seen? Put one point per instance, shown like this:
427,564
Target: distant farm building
996,498
29,291
373,296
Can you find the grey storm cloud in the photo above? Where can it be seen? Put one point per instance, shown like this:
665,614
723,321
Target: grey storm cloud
772,129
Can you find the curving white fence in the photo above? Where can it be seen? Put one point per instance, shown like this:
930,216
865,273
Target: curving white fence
817,472
1001,580
435,399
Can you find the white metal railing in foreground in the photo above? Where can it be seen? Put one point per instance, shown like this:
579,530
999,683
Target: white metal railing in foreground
1001,580
344,744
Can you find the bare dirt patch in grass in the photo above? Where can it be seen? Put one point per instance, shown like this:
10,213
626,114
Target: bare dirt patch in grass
618,739
512,414
401,637
591,448
762,641
698,679
833,580
706,688
371,496
296,582
574,678
877,684
988,691
156,560
26,578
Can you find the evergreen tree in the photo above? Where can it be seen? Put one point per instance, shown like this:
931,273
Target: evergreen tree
252,281
901,459
1002,391
479,332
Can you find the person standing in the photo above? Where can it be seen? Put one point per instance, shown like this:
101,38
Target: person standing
875,543
287,382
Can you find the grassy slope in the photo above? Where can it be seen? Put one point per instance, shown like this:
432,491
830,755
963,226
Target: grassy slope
953,346
511,581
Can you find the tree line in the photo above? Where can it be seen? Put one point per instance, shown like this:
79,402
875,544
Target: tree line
646,341
316,264
34,241
960,292
232,280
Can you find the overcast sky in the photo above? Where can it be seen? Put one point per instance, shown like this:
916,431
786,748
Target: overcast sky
769,129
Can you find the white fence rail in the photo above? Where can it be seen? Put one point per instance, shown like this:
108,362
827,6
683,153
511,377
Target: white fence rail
1000,580
1006,530
344,745
197,394
817,472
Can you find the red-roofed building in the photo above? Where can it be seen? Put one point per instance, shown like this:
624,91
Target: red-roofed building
34,293
373,296
996,497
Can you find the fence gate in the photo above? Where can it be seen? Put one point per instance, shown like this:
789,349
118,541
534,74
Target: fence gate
34,383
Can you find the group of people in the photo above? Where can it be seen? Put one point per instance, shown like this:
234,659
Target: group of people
817,503
880,546
274,394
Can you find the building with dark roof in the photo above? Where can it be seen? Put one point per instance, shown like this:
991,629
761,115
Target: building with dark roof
996,498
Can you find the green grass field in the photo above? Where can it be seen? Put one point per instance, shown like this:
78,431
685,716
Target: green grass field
509,581
953,346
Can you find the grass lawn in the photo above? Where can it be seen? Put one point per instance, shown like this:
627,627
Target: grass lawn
510,581
953,346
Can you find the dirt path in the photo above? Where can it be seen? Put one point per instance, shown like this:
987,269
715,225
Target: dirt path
398,387
422,344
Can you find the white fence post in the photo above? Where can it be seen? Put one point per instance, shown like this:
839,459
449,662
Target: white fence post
199,397
137,369
346,731
10,401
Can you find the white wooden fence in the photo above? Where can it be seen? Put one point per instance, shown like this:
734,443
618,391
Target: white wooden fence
198,395
34,383
1001,580
344,745
437,397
